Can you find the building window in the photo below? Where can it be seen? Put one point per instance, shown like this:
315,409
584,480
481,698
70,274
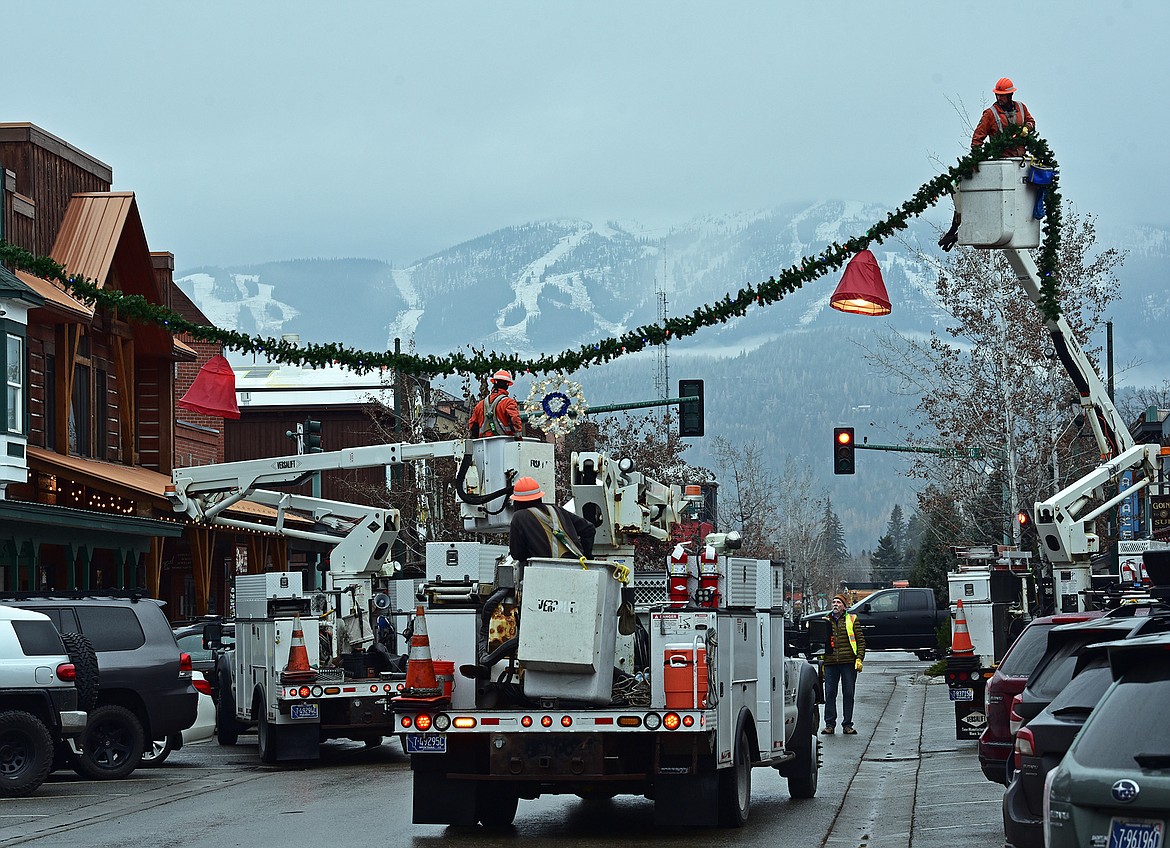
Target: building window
79,413
14,371
101,414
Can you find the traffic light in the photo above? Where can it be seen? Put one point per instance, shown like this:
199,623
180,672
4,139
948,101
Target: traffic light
1024,519
843,451
690,413
312,436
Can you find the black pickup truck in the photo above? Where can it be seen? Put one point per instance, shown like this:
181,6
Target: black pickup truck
905,619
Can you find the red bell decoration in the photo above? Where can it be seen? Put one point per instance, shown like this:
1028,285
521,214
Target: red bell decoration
861,289
214,390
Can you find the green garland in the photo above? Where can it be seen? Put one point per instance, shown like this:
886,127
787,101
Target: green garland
137,308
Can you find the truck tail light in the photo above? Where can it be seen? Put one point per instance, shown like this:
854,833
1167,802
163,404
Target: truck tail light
185,668
1025,746
203,685
66,671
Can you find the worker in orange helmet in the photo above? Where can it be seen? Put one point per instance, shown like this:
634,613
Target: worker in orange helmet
545,530
1004,112
996,117
497,414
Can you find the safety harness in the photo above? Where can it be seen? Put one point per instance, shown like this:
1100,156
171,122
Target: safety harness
1017,113
491,423
558,540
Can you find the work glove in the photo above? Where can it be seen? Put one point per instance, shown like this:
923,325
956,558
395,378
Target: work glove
857,665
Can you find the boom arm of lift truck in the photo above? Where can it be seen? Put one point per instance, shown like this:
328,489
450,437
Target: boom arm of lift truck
1062,520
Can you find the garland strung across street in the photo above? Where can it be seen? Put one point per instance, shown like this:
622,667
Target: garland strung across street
137,308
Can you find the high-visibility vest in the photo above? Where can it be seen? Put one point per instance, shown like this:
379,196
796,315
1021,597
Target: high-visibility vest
850,620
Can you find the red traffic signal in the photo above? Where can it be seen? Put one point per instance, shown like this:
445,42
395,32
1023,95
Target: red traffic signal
1024,519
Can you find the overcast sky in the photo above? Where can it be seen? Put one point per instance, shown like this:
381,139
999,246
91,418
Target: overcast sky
257,130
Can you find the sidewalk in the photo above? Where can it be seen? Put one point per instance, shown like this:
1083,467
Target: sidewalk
916,784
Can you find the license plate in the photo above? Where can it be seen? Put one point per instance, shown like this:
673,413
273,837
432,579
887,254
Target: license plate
962,694
428,744
1136,833
304,711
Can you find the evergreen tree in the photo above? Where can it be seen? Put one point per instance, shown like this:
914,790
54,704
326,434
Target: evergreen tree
833,539
934,554
897,531
885,564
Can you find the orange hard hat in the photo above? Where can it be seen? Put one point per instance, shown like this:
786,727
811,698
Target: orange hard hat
1004,86
526,489
503,376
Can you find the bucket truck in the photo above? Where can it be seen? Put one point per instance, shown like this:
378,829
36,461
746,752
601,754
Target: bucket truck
353,668
572,679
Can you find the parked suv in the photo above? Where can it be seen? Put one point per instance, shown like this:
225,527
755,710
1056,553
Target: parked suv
145,689
995,743
1113,785
38,698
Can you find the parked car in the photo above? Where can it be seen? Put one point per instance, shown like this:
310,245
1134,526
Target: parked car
901,619
1009,679
190,640
38,698
1042,743
145,689
1065,643
1113,786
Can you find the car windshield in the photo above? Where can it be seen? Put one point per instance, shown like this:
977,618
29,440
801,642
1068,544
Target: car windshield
1129,721
1026,651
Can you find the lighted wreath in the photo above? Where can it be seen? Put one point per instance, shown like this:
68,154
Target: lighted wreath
555,405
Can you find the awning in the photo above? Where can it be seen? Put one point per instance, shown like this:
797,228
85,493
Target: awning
61,525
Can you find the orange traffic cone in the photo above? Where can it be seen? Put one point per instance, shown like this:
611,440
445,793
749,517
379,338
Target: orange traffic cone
961,645
421,682
298,669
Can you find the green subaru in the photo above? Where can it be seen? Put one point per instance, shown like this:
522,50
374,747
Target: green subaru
1112,790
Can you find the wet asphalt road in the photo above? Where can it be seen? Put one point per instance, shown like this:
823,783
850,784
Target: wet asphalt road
903,780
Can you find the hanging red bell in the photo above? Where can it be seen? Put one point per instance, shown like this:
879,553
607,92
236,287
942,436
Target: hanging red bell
214,390
861,289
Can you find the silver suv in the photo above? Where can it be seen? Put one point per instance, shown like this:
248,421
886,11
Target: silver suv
38,699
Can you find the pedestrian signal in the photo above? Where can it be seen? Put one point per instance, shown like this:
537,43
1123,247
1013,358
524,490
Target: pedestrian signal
843,451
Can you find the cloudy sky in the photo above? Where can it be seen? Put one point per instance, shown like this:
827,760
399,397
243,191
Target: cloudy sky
276,129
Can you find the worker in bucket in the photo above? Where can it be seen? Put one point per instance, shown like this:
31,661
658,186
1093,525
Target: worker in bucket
842,664
545,530
1004,112
497,414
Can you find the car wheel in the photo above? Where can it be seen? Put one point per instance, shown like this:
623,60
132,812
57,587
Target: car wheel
227,728
26,753
85,663
157,751
266,735
112,744
735,785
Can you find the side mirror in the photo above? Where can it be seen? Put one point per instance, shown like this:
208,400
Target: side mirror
212,636
820,631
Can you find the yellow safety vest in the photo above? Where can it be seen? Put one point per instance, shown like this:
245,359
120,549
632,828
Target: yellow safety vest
850,619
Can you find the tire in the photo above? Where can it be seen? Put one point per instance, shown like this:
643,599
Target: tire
84,660
266,735
371,741
227,727
735,785
805,774
157,751
26,753
112,744
495,804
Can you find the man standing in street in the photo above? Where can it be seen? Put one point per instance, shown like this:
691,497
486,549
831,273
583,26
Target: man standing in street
497,414
842,663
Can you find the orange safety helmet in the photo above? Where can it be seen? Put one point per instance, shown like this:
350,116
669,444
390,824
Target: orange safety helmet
503,376
1004,86
526,489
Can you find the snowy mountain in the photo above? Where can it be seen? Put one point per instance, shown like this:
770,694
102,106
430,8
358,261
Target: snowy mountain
781,377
